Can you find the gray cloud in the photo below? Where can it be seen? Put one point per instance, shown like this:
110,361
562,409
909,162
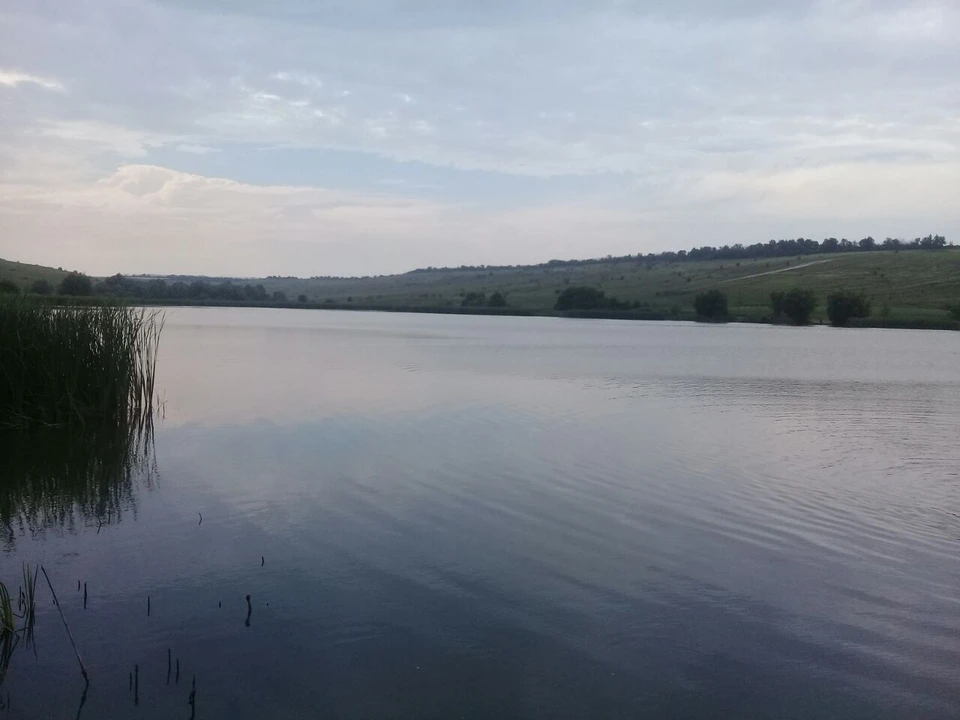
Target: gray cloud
690,103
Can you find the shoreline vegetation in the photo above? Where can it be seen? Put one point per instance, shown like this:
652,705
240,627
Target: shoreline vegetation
76,366
889,284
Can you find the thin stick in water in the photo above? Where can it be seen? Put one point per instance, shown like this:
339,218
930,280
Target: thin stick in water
148,606
201,519
136,684
177,681
169,661
66,627
192,701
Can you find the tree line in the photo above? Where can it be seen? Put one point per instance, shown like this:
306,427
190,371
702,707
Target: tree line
79,285
794,306
738,251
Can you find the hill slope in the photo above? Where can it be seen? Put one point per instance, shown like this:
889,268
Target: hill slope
911,287
25,275
910,283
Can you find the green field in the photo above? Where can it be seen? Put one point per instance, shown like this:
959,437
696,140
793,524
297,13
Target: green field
25,275
905,285
910,287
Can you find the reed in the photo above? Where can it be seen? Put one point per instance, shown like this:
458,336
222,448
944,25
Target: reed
74,365
10,634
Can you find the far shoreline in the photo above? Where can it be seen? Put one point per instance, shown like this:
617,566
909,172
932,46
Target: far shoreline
625,315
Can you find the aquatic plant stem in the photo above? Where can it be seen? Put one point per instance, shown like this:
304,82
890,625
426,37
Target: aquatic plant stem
66,627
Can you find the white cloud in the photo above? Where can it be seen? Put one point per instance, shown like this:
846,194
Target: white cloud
12,78
196,149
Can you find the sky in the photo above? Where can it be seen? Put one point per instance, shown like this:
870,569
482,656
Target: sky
361,137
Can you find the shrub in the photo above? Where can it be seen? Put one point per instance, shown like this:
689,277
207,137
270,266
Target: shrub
41,287
497,300
711,304
843,305
474,299
797,305
581,297
776,302
76,284
8,286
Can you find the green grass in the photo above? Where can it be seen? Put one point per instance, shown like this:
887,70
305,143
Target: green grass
25,275
75,366
907,284
910,286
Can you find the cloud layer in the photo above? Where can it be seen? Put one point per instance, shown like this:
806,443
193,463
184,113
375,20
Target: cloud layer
379,135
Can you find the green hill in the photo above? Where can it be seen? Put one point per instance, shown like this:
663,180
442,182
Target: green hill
904,285
907,287
25,275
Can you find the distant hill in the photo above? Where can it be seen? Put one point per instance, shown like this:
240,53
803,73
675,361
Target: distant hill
908,287
25,275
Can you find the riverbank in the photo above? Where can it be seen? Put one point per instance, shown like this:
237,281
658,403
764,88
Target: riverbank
920,321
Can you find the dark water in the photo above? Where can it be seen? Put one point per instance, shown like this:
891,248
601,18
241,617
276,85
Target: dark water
509,517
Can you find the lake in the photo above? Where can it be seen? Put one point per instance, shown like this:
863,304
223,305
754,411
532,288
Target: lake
491,517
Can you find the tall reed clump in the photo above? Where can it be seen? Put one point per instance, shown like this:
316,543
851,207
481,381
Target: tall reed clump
76,366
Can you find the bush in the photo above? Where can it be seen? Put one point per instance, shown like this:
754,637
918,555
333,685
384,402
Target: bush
954,311
474,299
843,305
711,304
497,300
76,284
796,304
8,286
580,297
301,298
776,302
41,287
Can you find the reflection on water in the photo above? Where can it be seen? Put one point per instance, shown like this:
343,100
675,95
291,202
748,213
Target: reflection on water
414,516
62,479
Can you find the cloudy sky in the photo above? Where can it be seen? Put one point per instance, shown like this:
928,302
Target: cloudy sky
309,137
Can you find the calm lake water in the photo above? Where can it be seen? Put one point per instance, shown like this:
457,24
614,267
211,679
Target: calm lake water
477,517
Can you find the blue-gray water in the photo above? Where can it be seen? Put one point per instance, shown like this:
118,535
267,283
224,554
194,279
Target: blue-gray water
474,517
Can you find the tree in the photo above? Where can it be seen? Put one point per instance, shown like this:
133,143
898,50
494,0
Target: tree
581,297
776,302
279,296
798,305
954,310
867,243
843,305
76,284
474,299
8,286
497,300
301,298
41,287
711,304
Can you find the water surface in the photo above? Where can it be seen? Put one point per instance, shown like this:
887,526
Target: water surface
477,517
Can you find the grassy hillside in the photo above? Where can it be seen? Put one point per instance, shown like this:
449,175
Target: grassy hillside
906,284
906,287
24,275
